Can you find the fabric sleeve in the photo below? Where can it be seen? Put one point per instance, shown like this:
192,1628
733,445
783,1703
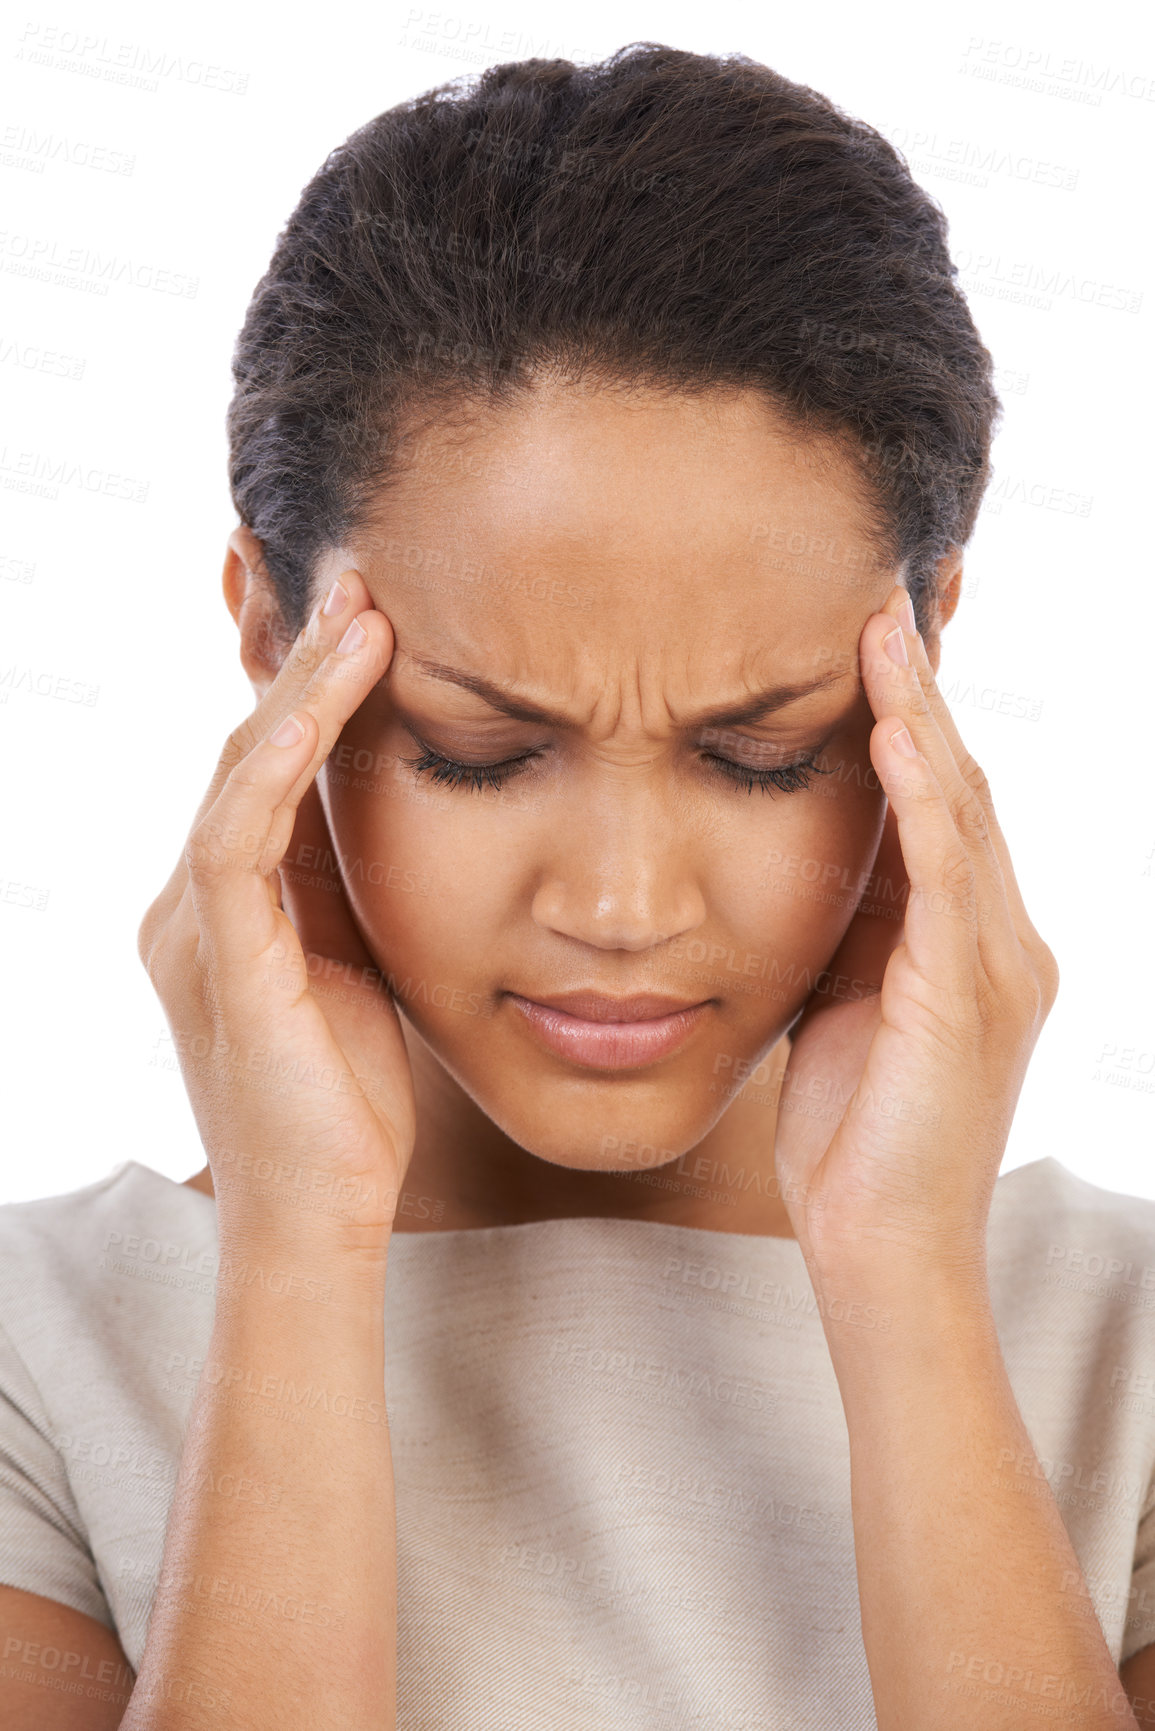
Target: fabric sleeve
1139,1627
43,1547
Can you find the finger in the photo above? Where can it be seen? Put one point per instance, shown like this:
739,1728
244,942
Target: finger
241,840
895,689
938,928
972,774
308,661
313,644
228,857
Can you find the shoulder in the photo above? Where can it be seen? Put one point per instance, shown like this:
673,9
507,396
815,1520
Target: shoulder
1044,1205
1070,1262
99,1247
129,1191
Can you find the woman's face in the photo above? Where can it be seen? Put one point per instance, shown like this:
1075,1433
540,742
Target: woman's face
632,575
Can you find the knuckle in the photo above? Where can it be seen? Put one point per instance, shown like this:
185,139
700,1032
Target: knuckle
972,819
915,693
1025,994
168,963
246,774
307,653
205,857
1046,974
159,960
975,778
160,936
909,699
239,744
147,936
1031,998
220,845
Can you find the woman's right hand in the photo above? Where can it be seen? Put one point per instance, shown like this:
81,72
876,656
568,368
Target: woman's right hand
289,1042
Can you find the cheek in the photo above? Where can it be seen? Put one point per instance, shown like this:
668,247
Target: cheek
440,882
426,870
440,879
783,891
822,858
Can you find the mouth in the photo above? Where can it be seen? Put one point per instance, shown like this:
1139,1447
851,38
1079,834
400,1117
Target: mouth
607,1033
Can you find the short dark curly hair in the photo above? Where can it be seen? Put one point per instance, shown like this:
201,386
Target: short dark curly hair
660,218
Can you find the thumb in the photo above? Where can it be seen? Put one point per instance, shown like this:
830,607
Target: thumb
312,891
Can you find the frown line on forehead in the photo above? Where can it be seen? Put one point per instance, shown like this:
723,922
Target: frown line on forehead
750,709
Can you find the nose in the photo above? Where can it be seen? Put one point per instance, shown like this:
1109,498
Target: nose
622,880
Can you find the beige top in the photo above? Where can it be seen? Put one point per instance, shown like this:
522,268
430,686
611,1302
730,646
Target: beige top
621,1458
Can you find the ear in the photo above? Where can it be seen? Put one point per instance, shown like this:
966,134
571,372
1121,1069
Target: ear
252,601
948,587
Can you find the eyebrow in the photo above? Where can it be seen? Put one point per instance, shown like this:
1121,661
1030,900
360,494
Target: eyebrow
753,708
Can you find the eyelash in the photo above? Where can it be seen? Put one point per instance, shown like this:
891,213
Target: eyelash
445,772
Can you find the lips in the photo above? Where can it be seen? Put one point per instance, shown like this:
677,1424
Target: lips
605,1033
599,1007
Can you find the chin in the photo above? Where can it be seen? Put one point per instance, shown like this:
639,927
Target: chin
580,1118
588,1125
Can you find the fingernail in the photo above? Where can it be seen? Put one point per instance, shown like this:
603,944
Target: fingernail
289,732
903,743
895,646
353,639
334,601
907,611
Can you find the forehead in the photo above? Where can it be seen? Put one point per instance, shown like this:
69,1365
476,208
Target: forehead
626,526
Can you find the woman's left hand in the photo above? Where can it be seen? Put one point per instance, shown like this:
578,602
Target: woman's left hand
958,983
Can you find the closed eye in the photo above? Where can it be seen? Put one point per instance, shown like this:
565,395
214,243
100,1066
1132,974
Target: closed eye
787,778
447,772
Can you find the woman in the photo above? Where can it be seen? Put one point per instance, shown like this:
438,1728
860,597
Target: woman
600,921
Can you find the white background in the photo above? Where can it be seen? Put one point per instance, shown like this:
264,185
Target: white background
1033,129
